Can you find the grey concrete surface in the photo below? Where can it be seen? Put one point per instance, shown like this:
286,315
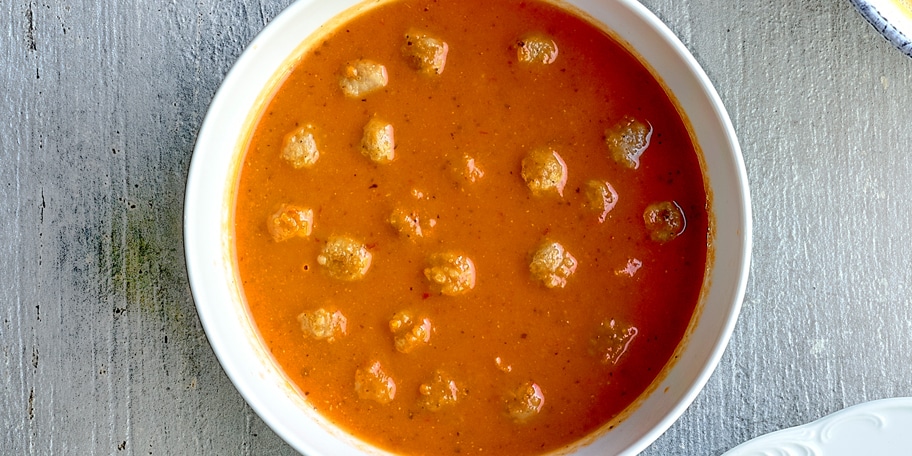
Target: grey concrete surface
101,350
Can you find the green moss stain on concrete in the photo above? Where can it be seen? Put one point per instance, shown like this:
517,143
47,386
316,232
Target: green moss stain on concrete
145,266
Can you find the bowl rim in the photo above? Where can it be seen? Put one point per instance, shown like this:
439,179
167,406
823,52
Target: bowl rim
262,385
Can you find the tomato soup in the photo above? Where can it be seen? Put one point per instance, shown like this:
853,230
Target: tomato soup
473,226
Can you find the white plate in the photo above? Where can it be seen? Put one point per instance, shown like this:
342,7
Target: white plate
891,18
882,428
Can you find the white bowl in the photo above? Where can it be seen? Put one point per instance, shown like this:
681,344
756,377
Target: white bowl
225,317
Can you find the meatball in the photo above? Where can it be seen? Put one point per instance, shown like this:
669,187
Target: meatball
362,77
552,264
290,221
601,197
300,148
438,392
409,332
536,48
664,221
611,341
544,171
425,53
373,383
378,143
627,140
322,324
525,402
450,273
412,224
345,258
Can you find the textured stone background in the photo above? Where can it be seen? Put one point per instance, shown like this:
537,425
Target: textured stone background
101,350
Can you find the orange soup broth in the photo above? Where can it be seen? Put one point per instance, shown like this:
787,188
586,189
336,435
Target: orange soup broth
488,105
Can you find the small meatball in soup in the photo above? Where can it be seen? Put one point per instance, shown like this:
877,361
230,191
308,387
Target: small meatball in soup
362,77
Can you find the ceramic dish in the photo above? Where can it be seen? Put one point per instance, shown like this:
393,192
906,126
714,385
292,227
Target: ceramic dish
227,322
878,427
891,18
